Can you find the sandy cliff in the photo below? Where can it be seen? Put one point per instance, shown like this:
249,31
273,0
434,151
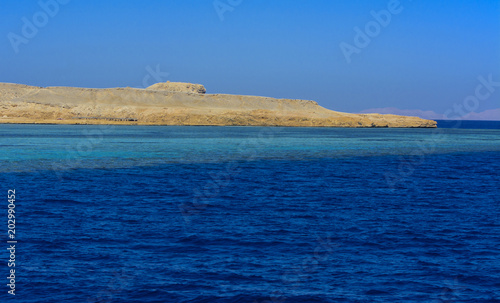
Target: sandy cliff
174,104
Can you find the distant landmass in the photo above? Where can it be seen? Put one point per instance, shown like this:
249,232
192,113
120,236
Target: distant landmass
175,103
488,115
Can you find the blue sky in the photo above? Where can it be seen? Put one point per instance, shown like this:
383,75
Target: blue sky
428,57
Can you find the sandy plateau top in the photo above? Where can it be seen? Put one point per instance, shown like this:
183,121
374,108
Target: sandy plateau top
174,103
179,87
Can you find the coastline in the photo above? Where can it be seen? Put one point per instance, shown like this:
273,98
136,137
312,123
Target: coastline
176,104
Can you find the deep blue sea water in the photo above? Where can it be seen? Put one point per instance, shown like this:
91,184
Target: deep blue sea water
470,124
252,214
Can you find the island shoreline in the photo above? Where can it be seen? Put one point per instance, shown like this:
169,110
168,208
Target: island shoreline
173,103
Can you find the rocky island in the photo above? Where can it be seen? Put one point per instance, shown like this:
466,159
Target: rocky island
175,103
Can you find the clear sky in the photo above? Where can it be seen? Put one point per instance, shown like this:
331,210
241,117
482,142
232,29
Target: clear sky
421,54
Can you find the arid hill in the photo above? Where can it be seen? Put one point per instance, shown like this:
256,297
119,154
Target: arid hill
174,104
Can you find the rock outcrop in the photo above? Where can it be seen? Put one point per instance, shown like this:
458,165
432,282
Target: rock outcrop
179,87
175,104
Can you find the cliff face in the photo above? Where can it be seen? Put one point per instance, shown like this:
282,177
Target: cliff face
175,104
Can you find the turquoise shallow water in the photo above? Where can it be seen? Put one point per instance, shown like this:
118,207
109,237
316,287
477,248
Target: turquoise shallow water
67,147
251,214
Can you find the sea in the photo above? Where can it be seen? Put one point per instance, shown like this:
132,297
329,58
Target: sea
250,214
